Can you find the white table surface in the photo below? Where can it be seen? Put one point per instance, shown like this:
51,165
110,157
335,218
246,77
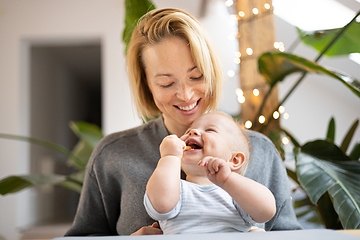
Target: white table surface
313,234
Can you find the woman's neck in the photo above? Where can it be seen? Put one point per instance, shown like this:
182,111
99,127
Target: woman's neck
175,128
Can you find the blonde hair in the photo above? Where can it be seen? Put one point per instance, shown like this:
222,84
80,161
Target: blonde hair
156,26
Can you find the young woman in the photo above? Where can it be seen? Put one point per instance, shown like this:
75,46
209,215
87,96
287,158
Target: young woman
175,73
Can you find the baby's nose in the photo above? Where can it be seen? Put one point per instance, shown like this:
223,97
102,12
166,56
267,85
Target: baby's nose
194,132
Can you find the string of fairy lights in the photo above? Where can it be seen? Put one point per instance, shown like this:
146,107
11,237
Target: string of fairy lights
256,90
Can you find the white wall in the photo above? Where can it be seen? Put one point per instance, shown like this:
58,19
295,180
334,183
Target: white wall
23,22
318,98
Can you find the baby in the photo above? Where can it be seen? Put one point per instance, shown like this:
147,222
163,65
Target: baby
215,197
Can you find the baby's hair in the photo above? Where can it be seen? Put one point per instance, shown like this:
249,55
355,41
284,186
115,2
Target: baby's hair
241,142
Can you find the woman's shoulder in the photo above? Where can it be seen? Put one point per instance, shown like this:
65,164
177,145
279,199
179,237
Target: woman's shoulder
152,130
155,126
260,143
257,136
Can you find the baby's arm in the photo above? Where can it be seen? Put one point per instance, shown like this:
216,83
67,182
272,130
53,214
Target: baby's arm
254,198
163,187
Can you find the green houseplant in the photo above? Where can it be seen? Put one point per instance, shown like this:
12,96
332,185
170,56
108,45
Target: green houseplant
327,174
89,135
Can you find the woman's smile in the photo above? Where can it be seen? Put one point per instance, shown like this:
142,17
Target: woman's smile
188,108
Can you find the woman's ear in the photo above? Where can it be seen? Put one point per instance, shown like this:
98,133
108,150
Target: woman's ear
237,160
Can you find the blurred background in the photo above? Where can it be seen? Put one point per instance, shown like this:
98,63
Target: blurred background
63,60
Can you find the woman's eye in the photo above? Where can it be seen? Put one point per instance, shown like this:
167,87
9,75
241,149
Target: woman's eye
197,78
167,86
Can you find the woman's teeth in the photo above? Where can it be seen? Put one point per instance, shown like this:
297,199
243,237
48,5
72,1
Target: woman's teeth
188,108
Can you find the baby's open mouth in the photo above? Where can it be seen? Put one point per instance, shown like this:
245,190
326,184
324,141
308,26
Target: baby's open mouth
192,146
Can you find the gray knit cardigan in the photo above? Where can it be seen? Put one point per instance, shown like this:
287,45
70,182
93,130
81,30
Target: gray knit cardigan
111,202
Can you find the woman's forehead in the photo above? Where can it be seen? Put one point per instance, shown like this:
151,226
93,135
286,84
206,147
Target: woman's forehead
168,55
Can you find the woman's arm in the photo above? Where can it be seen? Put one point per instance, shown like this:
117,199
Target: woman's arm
163,187
267,168
91,218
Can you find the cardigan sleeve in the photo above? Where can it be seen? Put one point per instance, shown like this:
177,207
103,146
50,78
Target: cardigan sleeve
98,208
267,168
91,218
115,180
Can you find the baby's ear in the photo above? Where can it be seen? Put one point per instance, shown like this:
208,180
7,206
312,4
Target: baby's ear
237,160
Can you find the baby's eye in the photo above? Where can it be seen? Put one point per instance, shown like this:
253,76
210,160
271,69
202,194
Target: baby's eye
210,130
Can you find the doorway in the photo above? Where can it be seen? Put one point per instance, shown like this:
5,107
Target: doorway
65,85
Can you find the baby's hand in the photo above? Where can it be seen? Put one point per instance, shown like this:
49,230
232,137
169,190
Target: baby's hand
217,169
172,145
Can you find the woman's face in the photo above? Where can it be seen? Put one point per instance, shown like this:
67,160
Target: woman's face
177,85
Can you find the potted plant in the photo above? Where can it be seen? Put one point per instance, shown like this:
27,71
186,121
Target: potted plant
89,135
327,174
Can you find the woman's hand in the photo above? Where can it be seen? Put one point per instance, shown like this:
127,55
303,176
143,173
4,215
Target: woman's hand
153,229
256,229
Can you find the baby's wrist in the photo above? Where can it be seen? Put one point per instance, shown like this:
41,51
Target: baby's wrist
227,180
171,156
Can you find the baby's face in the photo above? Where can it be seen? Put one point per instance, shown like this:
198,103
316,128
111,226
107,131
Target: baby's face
209,135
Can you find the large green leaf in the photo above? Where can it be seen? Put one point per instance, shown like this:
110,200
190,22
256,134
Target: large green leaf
347,139
275,66
330,136
355,153
88,132
348,43
325,150
74,181
14,184
40,142
307,212
82,151
327,212
134,9
291,174
339,178
89,135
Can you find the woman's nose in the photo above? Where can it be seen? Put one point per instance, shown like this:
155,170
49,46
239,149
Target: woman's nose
185,92
194,132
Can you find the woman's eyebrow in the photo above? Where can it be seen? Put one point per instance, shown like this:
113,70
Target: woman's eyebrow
192,68
163,75
170,75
